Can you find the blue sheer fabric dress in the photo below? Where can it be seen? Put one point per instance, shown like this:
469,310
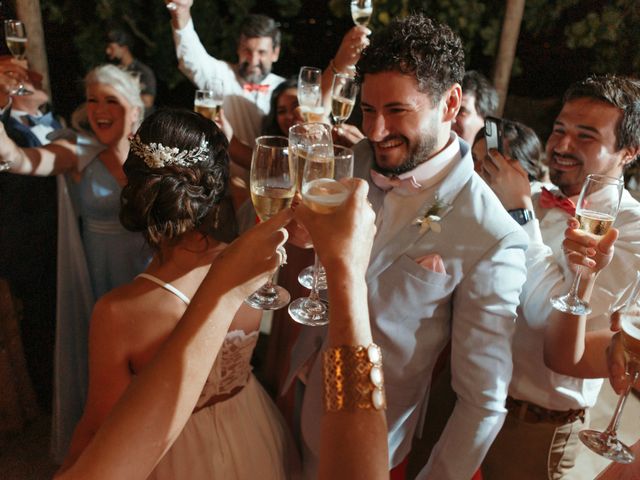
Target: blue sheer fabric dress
95,255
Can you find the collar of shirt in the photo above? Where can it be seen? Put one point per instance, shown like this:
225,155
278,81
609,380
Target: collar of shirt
432,171
21,115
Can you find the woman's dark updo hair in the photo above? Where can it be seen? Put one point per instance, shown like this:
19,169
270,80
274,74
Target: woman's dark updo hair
166,202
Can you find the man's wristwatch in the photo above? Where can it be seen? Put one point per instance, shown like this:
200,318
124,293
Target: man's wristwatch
521,215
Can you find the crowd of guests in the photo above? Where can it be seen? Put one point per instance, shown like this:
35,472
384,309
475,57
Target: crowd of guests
153,343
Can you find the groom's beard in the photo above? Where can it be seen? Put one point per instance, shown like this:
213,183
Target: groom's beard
419,154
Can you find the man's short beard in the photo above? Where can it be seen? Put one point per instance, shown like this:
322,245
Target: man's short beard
253,78
421,154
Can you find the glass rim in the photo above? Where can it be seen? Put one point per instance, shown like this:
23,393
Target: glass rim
598,177
278,141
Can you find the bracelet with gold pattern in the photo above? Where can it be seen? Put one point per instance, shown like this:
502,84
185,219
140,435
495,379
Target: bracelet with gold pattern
353,378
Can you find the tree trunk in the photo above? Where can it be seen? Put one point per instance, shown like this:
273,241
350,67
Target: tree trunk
507,48
29,12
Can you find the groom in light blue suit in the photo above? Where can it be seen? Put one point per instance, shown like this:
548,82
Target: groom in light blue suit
447,263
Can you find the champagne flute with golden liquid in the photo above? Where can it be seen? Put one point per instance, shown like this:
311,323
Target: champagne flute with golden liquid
344,90
596,211
322,193
273,184
310,94
607,443
208,101
15,36
301,138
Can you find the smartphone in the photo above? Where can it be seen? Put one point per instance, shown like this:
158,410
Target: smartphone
493,132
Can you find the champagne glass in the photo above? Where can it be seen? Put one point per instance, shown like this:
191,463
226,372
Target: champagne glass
273,184
596,211
343,97
310,94
208,101
301,138
322,193
606,443
16,37
361,11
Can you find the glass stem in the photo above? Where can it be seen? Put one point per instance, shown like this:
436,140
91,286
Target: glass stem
314,295
573,291
269,286
612,428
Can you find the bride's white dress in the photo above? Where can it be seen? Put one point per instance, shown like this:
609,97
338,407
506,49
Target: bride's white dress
243,437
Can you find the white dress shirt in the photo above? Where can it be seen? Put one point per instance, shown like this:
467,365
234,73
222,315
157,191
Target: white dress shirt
548,275
40,131
244,109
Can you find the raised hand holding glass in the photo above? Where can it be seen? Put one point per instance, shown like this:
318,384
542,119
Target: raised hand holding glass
272,183
596,211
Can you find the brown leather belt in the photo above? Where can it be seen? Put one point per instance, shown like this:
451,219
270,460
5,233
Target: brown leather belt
532,413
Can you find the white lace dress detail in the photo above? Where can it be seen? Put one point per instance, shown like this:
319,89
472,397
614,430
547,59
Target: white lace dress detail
232,367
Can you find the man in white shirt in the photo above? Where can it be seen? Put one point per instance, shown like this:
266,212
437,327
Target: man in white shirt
447,263
596,132
247,84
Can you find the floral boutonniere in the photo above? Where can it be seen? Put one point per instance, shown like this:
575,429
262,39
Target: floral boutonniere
430,220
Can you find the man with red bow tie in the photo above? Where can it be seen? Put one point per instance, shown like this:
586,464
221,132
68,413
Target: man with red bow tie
596,132
247,84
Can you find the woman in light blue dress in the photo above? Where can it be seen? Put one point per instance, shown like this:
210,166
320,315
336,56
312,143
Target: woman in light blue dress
95,253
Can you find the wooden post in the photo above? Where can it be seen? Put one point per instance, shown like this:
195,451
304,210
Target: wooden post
507,48
29,12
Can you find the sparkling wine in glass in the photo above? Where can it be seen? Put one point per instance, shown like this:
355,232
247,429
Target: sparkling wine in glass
310,94
321,192
272,183
361,11
301,138
596,211
208,101
15,36
343,97
607,443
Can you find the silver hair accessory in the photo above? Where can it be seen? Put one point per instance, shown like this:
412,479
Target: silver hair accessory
156,155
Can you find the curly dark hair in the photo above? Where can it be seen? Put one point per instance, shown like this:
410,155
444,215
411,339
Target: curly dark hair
416,45
621,92
166,202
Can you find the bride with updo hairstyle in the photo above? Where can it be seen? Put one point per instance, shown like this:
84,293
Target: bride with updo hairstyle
177,172
165,202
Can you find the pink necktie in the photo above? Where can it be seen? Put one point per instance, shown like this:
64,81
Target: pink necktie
549,200
387,183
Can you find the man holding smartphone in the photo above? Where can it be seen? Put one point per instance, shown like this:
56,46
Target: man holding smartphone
479,100
596,132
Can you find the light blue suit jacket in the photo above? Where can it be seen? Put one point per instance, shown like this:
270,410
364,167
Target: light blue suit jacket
415,312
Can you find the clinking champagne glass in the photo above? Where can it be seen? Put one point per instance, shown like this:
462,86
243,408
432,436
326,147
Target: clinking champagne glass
310,94
361,11
343,97
301,138
606,443
208,101
596,211
273,184
16,37
322,193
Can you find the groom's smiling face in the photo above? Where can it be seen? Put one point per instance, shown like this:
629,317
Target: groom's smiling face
403,124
